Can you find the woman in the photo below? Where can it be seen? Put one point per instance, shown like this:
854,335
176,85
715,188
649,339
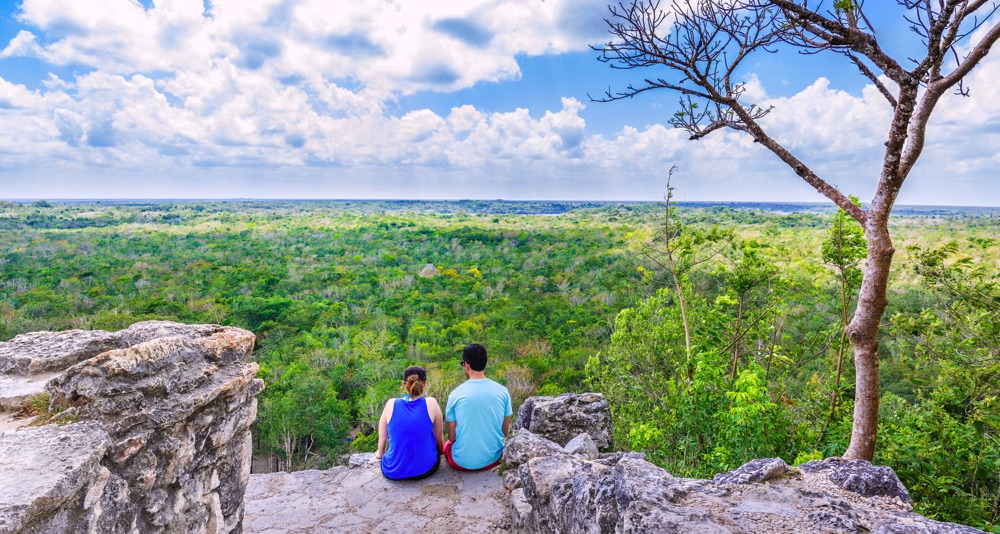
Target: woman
412,428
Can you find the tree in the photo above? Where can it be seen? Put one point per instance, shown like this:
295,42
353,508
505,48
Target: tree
752,273
705,43
842,250
683,249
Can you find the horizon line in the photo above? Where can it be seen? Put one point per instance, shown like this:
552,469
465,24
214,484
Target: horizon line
369,199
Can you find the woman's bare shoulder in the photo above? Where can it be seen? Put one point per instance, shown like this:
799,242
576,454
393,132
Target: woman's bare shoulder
387,410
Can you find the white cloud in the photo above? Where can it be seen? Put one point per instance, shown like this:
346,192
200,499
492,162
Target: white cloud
23,44
281,86
385,45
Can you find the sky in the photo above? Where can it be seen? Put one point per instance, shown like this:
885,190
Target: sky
443,99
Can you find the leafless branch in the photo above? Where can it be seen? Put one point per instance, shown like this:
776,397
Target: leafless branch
874,79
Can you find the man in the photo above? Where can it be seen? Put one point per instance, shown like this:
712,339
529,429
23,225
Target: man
478,416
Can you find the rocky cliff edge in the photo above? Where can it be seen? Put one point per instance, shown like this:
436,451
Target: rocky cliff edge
152,429
152,434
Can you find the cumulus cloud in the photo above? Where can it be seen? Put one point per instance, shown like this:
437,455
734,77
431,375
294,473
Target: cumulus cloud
23,44
304,84
387,45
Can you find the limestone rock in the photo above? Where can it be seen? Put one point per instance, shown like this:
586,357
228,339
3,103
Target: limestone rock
567,494
574,489
40,352
564,494
651,500
525,446
562,418
861,477
150,330
359,499
759,470
582,446
174,404
57,480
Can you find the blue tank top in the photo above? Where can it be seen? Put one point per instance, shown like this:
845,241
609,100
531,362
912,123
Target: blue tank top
412,447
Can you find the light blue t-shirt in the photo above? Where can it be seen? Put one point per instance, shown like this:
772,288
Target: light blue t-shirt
478,406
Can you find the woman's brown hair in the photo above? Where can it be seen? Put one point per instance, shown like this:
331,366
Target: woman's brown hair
415,380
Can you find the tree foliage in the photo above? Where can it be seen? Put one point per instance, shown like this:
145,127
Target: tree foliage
705,46
565,302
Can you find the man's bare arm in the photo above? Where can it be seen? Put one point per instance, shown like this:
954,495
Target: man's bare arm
506,425
451,430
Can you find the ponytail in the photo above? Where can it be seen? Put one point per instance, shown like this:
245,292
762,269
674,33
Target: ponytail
414,386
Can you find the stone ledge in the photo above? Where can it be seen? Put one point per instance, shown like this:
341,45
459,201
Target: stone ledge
163,443
43,469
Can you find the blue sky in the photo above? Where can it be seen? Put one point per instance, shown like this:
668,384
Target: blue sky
446,99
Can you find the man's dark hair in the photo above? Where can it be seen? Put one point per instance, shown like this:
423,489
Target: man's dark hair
475,356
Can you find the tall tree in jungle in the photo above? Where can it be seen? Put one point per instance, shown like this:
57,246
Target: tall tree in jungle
705,46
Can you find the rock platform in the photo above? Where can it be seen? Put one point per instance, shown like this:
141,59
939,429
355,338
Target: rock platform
357,498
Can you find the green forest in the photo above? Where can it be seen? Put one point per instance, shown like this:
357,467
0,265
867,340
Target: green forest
716,331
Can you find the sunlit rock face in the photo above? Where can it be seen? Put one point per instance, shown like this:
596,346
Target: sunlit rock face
153,430
567,487
566,416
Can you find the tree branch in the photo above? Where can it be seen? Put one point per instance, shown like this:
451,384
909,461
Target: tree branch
874,79
801,169
837,35
918,126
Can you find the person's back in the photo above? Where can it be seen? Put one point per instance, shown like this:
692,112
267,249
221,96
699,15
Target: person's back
412,451
410,431
478,416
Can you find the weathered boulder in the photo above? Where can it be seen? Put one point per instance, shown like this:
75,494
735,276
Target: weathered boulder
526,445
41,352
563,418
582,446
861,477
174,403
567,494
564,494
29,361
520,448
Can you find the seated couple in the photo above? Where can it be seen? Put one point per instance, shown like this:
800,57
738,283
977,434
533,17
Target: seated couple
410,431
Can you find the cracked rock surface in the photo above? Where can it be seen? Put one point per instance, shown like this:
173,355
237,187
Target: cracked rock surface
162,439
359,499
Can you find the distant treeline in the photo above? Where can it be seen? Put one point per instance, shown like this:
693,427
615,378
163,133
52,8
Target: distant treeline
512,207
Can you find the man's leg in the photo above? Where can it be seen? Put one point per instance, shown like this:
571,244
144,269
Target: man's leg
447,456
451,461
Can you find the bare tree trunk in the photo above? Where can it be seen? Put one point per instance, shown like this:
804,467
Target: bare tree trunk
863,332
835,394
736,340
775,328
684,319
677,281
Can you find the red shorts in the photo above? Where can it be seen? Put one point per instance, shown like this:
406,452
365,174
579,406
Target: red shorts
451,461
